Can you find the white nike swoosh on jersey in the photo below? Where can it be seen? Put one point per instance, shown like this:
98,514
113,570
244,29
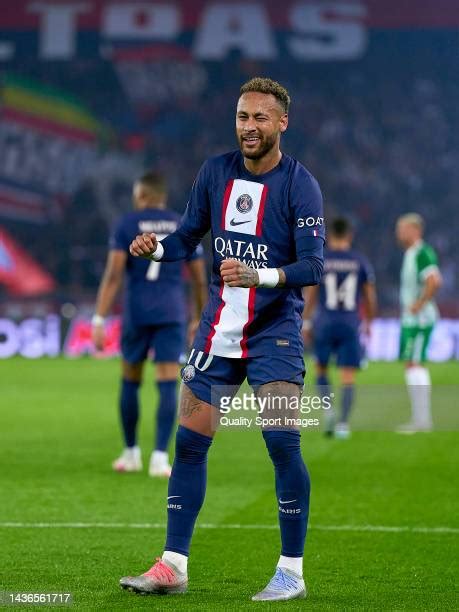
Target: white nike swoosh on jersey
287,502
172,496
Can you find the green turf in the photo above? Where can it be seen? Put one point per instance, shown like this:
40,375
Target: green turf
59,435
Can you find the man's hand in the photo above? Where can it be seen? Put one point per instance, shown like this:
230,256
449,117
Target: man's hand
366,328
98,336
143,245
237,274
433,283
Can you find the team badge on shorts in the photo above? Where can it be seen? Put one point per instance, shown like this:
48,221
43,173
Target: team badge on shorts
244,203
188,373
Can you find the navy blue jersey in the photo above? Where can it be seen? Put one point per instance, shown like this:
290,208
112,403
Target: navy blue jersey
340,293
154,291
263,221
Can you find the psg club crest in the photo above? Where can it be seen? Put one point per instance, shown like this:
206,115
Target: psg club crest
244,203
188,373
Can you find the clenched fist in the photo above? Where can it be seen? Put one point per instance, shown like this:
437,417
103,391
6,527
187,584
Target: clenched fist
143,245
237,274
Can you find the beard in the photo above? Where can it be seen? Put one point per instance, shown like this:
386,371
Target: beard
265,145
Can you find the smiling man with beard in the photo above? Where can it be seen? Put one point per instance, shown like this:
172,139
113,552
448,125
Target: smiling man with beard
251,327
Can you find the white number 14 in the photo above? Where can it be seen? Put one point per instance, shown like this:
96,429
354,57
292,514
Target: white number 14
344,294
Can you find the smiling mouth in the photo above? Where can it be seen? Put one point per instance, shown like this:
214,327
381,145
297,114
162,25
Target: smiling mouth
251,139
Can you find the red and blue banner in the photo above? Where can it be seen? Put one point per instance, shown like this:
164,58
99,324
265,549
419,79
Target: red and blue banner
19,273
310,30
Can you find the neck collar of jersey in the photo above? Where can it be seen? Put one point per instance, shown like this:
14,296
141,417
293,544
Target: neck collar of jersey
260,177
416,245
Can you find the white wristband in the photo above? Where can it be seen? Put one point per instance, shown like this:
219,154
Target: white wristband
157,255
307,324
268,277
97,320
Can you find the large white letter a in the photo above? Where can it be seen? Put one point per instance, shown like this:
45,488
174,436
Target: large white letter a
235,26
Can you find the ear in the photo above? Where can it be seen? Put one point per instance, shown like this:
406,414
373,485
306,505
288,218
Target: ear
283,122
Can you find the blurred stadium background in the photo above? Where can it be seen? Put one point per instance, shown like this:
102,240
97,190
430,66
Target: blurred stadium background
93,93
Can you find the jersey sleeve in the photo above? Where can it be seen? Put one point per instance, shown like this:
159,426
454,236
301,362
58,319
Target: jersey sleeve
426,261
119,240
198,253
307,204
195,222
309,231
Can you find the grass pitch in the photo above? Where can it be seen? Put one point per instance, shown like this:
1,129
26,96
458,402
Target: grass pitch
384,522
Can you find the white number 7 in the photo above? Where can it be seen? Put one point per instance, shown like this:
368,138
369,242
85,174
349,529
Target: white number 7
153,271
155,266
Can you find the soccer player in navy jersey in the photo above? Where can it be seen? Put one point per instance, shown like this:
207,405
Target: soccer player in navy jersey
264,211
154,317
347,284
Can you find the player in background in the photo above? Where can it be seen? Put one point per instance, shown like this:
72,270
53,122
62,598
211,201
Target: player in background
347,284
419,282
154,316
264,210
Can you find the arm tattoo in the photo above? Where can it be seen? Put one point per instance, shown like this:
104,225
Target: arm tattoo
248,277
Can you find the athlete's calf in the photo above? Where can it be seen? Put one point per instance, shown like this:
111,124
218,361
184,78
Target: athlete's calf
291,475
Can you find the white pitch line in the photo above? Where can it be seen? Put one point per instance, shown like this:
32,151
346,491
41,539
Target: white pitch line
356,528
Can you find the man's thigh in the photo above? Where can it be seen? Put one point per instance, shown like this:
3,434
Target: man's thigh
195,414
414,342
206,380
278,383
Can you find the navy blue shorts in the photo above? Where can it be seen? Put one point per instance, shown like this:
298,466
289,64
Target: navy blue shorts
338,339
166,341
204,372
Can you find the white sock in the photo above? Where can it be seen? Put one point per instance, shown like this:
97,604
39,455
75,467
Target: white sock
160,457
295,564
178,560
419,387
134,451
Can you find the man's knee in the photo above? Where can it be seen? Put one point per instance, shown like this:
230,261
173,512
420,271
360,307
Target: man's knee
283,445
132,371
280,403
321,370
167,370
191,446
348,375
